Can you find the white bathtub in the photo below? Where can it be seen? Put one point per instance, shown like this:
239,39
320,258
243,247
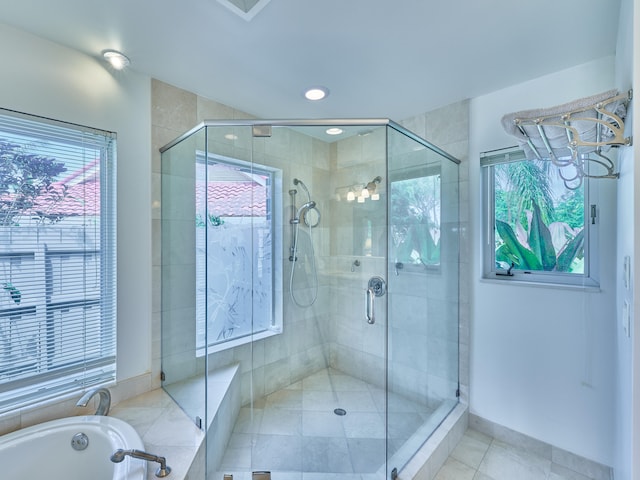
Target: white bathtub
45,451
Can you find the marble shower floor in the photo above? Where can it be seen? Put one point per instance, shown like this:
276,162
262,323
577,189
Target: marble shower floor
295,434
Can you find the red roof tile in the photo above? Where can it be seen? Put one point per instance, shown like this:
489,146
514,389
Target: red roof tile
224,199
227,198
234,199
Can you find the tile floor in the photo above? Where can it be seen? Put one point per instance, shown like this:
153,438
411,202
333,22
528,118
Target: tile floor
295,434
479,457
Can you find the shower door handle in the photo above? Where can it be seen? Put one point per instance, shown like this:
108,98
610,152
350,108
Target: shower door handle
371,319
375,288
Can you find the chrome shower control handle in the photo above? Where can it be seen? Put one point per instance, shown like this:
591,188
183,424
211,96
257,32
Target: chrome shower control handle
376,288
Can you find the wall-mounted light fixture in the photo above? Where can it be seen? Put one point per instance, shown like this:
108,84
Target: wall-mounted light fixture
116,59
372,188
359,191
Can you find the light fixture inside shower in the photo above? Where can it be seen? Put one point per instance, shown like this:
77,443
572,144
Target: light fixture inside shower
359,191
371,189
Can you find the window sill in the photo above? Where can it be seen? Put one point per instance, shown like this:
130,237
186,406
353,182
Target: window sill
524,283
236,342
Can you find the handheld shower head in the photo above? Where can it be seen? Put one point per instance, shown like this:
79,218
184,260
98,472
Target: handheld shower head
305,207
297,181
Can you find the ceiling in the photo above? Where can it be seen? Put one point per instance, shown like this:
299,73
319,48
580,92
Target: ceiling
379,58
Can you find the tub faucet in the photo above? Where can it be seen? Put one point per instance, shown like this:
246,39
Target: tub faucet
162,471
105,400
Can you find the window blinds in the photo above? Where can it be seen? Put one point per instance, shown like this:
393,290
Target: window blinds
503,155
57,258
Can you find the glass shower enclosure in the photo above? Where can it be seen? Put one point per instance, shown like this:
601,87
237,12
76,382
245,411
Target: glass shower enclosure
309,294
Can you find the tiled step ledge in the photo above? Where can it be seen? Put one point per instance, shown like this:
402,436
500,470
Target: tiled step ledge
166,430
434,452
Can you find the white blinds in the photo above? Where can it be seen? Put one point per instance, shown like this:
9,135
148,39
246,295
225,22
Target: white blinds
57,258
503,155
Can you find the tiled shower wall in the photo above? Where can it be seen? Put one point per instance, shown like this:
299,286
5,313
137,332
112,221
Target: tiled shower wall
312,339
448,128
423,304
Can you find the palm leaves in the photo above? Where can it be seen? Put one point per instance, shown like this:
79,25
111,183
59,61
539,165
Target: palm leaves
535,234
538,251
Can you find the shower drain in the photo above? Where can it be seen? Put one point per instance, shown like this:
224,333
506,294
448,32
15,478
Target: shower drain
340,411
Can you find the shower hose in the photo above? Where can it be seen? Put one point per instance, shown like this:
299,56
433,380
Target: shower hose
313,268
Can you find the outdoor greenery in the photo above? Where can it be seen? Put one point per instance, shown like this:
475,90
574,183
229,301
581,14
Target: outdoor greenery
415,210
24,177
15,294
539,222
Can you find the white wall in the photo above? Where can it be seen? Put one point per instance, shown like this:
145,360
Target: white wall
542,359
46,79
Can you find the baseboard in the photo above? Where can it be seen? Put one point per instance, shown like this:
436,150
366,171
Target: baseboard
559,456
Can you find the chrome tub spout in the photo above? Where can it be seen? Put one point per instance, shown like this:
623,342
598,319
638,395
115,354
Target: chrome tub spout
162,471
105,400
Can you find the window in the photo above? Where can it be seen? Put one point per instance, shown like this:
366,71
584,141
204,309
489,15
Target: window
238,254
415,217
57,258
535,228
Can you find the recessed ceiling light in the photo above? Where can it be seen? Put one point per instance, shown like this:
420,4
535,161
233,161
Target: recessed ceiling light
316,93
334,131
116,59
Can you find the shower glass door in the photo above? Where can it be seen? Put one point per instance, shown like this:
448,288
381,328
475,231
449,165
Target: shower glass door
318,381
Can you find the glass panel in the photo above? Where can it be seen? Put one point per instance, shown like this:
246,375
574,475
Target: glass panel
423,295
239,299
182,276
358,222
303,263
